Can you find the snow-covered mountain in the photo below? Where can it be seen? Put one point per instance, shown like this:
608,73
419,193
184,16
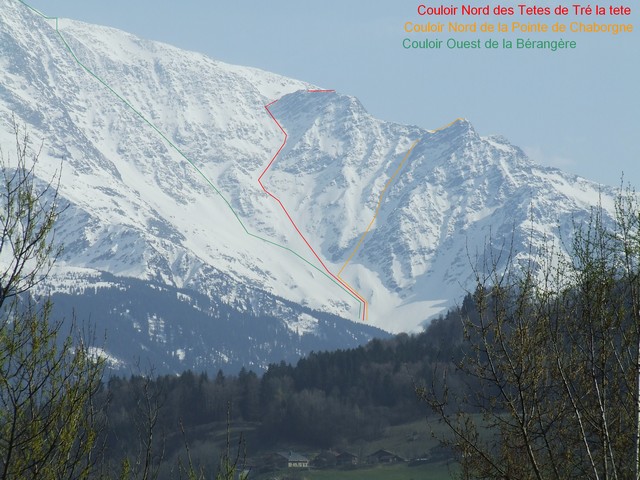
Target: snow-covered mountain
162,150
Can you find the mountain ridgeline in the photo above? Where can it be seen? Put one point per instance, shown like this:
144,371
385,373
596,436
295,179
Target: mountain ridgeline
161,151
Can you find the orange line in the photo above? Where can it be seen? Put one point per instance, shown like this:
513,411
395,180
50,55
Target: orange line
363,236
381,196
365,313
459,119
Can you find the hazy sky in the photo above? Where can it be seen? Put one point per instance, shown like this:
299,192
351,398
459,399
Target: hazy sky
576,109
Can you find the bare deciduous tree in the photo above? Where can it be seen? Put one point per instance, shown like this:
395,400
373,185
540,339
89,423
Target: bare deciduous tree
553,362
47,381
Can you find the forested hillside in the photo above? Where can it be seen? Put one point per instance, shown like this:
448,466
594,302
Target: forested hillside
323,401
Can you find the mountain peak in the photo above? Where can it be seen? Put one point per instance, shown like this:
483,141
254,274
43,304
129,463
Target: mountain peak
460,127
163,153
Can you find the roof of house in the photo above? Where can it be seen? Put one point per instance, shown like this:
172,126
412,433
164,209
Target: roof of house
347,454
293,456
384,452
327,453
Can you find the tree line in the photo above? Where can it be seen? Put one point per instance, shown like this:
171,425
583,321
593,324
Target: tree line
536,374
59,419
324,400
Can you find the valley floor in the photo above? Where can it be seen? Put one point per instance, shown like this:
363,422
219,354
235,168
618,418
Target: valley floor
411,441
437,471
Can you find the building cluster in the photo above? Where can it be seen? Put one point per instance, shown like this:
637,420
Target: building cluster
325,459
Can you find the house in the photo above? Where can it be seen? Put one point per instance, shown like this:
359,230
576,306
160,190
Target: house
346,458
384,456
325,459
290,460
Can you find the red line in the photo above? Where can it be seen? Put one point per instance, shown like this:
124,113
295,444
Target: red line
317,91
339,280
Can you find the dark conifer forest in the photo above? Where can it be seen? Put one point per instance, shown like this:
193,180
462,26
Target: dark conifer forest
324,400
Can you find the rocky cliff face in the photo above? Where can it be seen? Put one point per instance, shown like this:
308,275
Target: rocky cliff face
161,151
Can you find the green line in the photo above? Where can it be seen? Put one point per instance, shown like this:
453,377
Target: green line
206,179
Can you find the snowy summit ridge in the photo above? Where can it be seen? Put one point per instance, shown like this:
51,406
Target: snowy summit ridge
162,150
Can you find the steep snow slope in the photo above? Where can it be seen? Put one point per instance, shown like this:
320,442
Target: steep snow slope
456,194
161,150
